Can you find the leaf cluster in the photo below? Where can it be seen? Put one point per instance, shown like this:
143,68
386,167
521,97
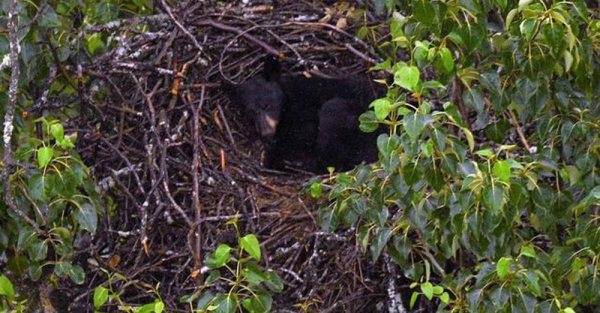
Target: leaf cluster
487,183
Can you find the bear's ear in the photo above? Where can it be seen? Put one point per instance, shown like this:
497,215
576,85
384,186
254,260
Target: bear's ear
272,68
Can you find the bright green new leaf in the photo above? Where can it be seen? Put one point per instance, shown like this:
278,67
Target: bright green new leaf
250,244
413,299
445,297
100,296
528,251
58,132
427,289
447,59
6,287
502,171
44,156
503,267
407,77
382,108
316,190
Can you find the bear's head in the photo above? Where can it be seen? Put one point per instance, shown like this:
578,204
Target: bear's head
262,97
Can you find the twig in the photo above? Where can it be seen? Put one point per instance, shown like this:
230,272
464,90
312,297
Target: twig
13,27
183,29
196,182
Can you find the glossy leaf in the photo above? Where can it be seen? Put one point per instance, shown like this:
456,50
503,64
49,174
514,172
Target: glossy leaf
250,244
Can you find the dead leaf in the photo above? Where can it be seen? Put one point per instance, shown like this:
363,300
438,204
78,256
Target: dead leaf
341,23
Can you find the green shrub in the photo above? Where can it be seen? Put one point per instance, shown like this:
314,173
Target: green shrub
487,184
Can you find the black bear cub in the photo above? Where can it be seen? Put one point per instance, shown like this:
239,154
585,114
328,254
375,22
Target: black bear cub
311,121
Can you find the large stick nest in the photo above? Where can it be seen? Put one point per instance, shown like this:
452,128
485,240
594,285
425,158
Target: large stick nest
176,157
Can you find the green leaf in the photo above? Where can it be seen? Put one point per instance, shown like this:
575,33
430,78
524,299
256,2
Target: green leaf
213,276
568,60
493,198
427,289
382,108
471,6
204,300
447,59
26,238
100,296
95,43
527,27
510,16
529,251
368,122
76,274
49,18
414,123
154,307
39,251
62,268
382,66
379,242
502,4
470,139
250,244
407,77
503,267
44,156
6,287
58,132
533,283
273,281
524,3
87,217
219,257
225,303
253,274
413,299
316,190
445,298
423,11
35,271
260,303
502,171
486,153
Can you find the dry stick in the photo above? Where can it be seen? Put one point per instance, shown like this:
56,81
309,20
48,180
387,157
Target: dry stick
155,181
183,29
13,27
511,116
46,90
240,33
196,187
229,134
395,301
129,165
513,119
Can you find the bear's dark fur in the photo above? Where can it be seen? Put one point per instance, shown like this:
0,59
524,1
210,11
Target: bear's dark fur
313,121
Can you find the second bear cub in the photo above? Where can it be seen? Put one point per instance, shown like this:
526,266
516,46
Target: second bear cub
313,121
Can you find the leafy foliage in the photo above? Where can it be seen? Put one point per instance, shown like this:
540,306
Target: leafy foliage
486,192
103,296
49,183
249,285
